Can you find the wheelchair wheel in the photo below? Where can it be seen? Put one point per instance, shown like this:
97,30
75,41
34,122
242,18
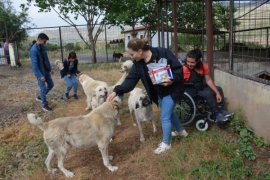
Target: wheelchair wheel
185,109
202,125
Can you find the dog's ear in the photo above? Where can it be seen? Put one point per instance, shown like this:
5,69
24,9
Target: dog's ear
137,105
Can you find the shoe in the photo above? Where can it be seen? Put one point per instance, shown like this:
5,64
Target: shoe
220,117
47,108
38,99
182,133
162,147
66,96
75,96
227,114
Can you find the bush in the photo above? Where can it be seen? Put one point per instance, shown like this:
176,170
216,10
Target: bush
52,47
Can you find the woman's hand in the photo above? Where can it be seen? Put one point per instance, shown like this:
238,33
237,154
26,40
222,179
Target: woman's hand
111,96
167,82
218,97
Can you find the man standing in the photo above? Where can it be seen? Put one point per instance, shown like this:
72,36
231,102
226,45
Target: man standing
42,69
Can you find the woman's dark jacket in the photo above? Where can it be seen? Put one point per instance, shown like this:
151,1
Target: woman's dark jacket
66,70
139,71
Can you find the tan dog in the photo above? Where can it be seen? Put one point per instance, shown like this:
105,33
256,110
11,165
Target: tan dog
140,108
59,65
99,96
125,68
93,129
89,85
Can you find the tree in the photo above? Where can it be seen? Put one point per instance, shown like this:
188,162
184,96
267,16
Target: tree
130,12
92,11
13,23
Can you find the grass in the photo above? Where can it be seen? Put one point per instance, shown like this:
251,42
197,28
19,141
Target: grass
215,154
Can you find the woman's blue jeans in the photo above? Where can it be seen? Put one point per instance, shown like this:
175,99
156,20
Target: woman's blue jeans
71,82
168,118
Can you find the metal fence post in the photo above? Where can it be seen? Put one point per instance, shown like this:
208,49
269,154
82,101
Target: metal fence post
231,36
106,43
175,29
209,33
61,46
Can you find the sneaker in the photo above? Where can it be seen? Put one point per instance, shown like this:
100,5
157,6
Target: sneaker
66,96
220,117
75,96
38,99
162,147
182,133
47,108
227,114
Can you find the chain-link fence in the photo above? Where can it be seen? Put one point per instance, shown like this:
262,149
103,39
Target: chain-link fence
64,39
251,37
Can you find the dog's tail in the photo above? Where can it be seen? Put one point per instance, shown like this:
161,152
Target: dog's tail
37,121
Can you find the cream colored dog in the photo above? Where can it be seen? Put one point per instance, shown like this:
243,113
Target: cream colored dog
140,109
89,85
99,96
125,68
59,65
93,129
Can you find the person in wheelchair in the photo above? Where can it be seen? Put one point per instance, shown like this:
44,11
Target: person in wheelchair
199,82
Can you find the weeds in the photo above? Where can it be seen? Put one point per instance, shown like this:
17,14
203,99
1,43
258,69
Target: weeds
247,137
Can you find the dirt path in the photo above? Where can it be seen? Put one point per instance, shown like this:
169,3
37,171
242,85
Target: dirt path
18,89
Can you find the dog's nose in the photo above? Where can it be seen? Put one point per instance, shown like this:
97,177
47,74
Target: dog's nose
146,101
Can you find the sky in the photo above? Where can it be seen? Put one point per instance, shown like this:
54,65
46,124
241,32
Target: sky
41,19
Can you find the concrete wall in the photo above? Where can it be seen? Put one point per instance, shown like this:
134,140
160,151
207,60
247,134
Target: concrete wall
251,97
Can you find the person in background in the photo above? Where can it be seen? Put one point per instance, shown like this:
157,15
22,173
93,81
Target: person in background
69,73
33,42
165,94
196,73
42,69
6,50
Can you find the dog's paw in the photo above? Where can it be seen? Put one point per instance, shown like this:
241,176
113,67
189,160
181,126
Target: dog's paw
110,158
53,171
113,168
119,123
69,174
142,139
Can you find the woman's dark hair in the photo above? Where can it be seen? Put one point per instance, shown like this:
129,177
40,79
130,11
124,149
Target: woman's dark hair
197,55
72,55
136,44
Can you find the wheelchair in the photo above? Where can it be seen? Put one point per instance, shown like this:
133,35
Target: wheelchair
194,109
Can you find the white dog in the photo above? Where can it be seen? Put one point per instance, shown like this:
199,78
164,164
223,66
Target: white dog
140,109
93,129
89,85
125,68
59,65
99,96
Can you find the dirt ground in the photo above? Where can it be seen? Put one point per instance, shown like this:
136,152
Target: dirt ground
18,89
26,152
